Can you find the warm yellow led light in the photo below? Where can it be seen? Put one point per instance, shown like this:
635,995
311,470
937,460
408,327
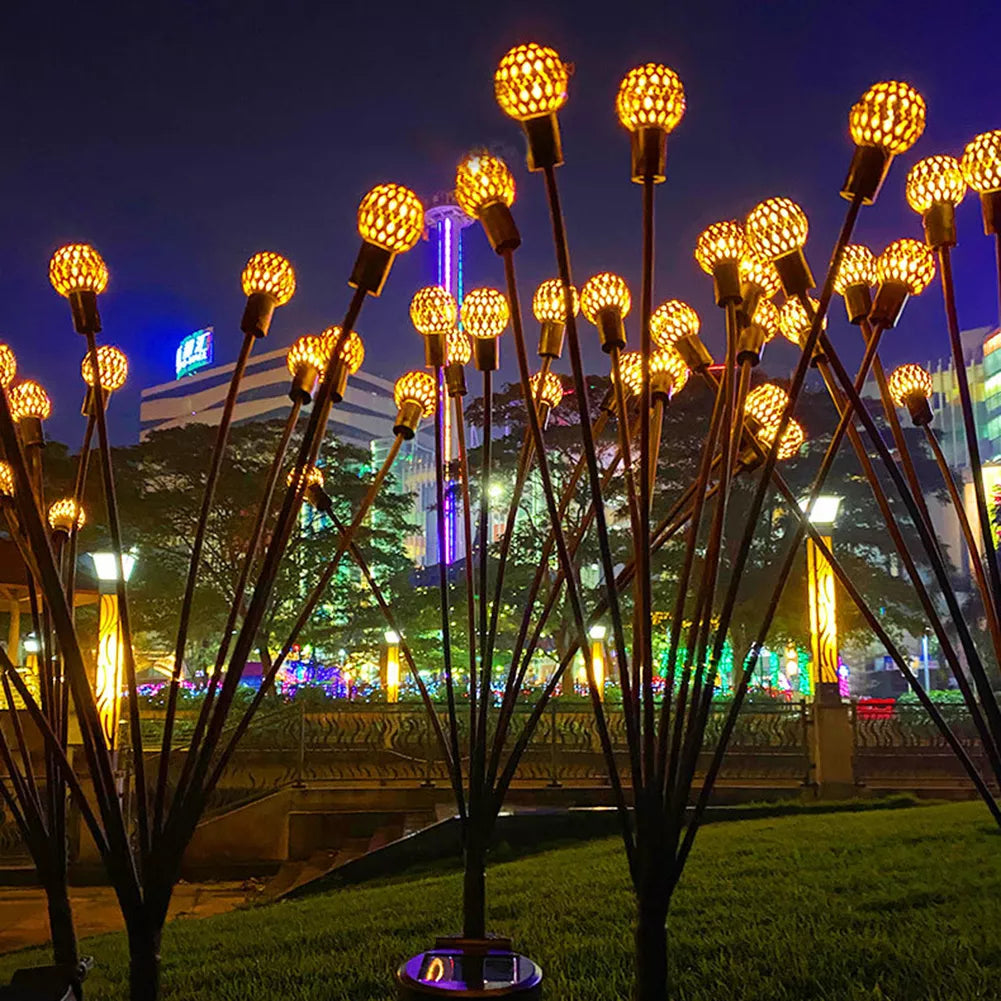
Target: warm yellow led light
112,365
982,162
631,372
549,302
669,361
416,387
858,267
935,180
313,477
552,389
908,381
765,403
392,217
458,348
62,514
309,351
722,241
650,96
792,440
78,267
604,291
433,310
482,180
890,115
758,271
795,321
907,262
28,399
8,365
484,312
352,352
271,274
776,227
531,81
6,479
671,321
766,316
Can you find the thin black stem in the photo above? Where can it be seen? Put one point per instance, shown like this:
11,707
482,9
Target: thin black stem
115,531
467,530
446,626
584,412
256,536
187,601
566,561
969,424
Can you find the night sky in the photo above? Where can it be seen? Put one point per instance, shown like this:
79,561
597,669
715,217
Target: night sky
178,138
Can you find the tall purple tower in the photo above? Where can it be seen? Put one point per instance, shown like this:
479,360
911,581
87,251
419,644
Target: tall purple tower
445,222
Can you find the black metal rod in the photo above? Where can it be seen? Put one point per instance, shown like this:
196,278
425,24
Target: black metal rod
115,531
643,644
253,546
467,530
446,626
969,426
795,388
566,562
982,682
584,411
187,600
976,564
306,457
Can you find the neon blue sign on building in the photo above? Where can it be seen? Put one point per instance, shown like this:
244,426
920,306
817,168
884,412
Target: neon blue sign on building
194,352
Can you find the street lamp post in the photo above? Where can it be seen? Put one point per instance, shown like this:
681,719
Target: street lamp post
832,743
110,652
823,604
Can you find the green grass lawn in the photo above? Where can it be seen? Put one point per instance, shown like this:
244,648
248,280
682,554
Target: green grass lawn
902,905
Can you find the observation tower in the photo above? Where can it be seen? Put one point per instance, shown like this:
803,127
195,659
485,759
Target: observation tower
445,222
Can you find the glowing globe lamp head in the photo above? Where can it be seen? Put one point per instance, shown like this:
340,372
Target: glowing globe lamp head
887,120
795,322
29,403
78,272
605,301
6,480
458,351
854,278
672,321
531,82
345,355
415,395
481,180
549,395
268,281
911,386
112,367
668,374
935,186
64,513
305,360
434,313
549,305
484,315
631,372
78,267
765,404
793,439
650,103
650,96
718,251
530,86
904,269
777,229
390,222
981,166
760,274
8,366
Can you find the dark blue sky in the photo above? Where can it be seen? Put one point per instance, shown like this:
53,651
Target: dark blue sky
179,138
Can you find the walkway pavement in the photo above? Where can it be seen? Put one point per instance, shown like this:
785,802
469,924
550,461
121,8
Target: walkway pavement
24,918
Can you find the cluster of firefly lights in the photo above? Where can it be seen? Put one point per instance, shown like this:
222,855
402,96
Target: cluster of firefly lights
760,257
